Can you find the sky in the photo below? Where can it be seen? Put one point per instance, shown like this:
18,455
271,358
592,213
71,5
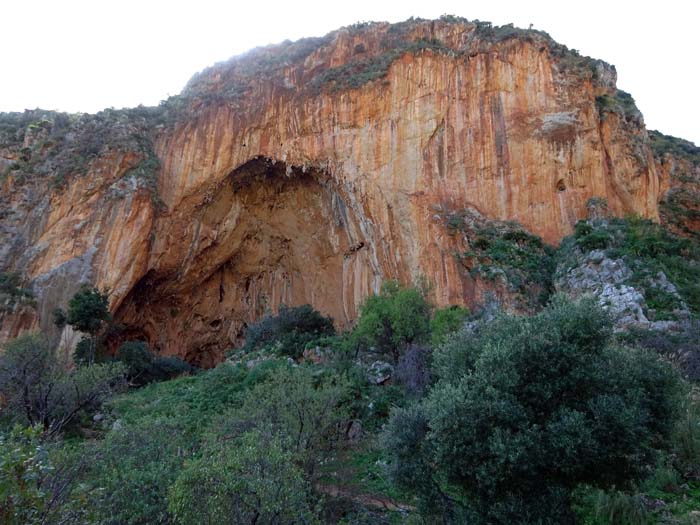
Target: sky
83,56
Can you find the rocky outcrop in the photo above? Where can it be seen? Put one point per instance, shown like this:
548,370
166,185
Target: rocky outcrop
678,165
608,280
310,172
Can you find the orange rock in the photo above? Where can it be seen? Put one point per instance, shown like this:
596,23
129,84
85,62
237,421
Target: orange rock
291,191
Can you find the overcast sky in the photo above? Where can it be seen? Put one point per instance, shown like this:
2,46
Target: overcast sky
84,56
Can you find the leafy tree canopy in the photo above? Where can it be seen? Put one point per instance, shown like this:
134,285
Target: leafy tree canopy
527,409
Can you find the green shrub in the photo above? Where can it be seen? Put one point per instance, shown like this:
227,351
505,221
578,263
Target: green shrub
392,320
647,248
39,482
446,321
193,401
618,508
501,249
590,239
288,332
10,285
531,408
621,103
666,144
134,466
253,480
143,367
87,310
305,411
686,437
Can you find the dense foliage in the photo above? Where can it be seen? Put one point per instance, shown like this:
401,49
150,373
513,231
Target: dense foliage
476,420
392,320
251,481
528,409
290,330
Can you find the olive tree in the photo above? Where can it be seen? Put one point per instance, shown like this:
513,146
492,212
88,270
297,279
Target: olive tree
527,409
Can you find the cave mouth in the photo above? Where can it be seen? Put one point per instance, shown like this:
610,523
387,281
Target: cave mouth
270,234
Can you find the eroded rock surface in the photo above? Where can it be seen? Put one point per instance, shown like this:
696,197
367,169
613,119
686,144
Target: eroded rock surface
310,172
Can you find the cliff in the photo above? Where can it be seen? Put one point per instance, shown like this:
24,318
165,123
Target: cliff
310,172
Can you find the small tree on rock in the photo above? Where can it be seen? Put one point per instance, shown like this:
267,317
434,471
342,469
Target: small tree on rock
88,310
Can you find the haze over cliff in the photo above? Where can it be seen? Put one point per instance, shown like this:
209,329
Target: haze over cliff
313,171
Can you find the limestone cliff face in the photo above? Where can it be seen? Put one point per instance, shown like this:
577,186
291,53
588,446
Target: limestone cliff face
310,172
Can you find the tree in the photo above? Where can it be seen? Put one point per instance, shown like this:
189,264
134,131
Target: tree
88,309
392,320
526,409
251,481
39,389
134,466
446,321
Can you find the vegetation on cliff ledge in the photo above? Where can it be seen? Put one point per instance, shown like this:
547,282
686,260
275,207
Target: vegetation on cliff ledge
58,146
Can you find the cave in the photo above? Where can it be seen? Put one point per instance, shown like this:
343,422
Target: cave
269,234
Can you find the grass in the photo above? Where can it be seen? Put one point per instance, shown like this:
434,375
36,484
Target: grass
194,400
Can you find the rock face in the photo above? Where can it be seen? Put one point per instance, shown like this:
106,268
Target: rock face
598,275
678,165
310,172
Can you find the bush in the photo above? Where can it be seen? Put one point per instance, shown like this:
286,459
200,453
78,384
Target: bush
38,483
253,480
590,239
87,310
134,467
306,412
530,409
647,248
289,332
143,367
392,320
39,389
446,321
413,370
505,250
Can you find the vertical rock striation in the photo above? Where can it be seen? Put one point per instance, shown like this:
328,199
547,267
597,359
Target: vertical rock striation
310,172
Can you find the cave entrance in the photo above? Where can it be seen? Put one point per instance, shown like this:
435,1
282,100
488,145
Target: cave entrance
270,234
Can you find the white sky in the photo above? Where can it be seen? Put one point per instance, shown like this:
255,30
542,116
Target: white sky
76,55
